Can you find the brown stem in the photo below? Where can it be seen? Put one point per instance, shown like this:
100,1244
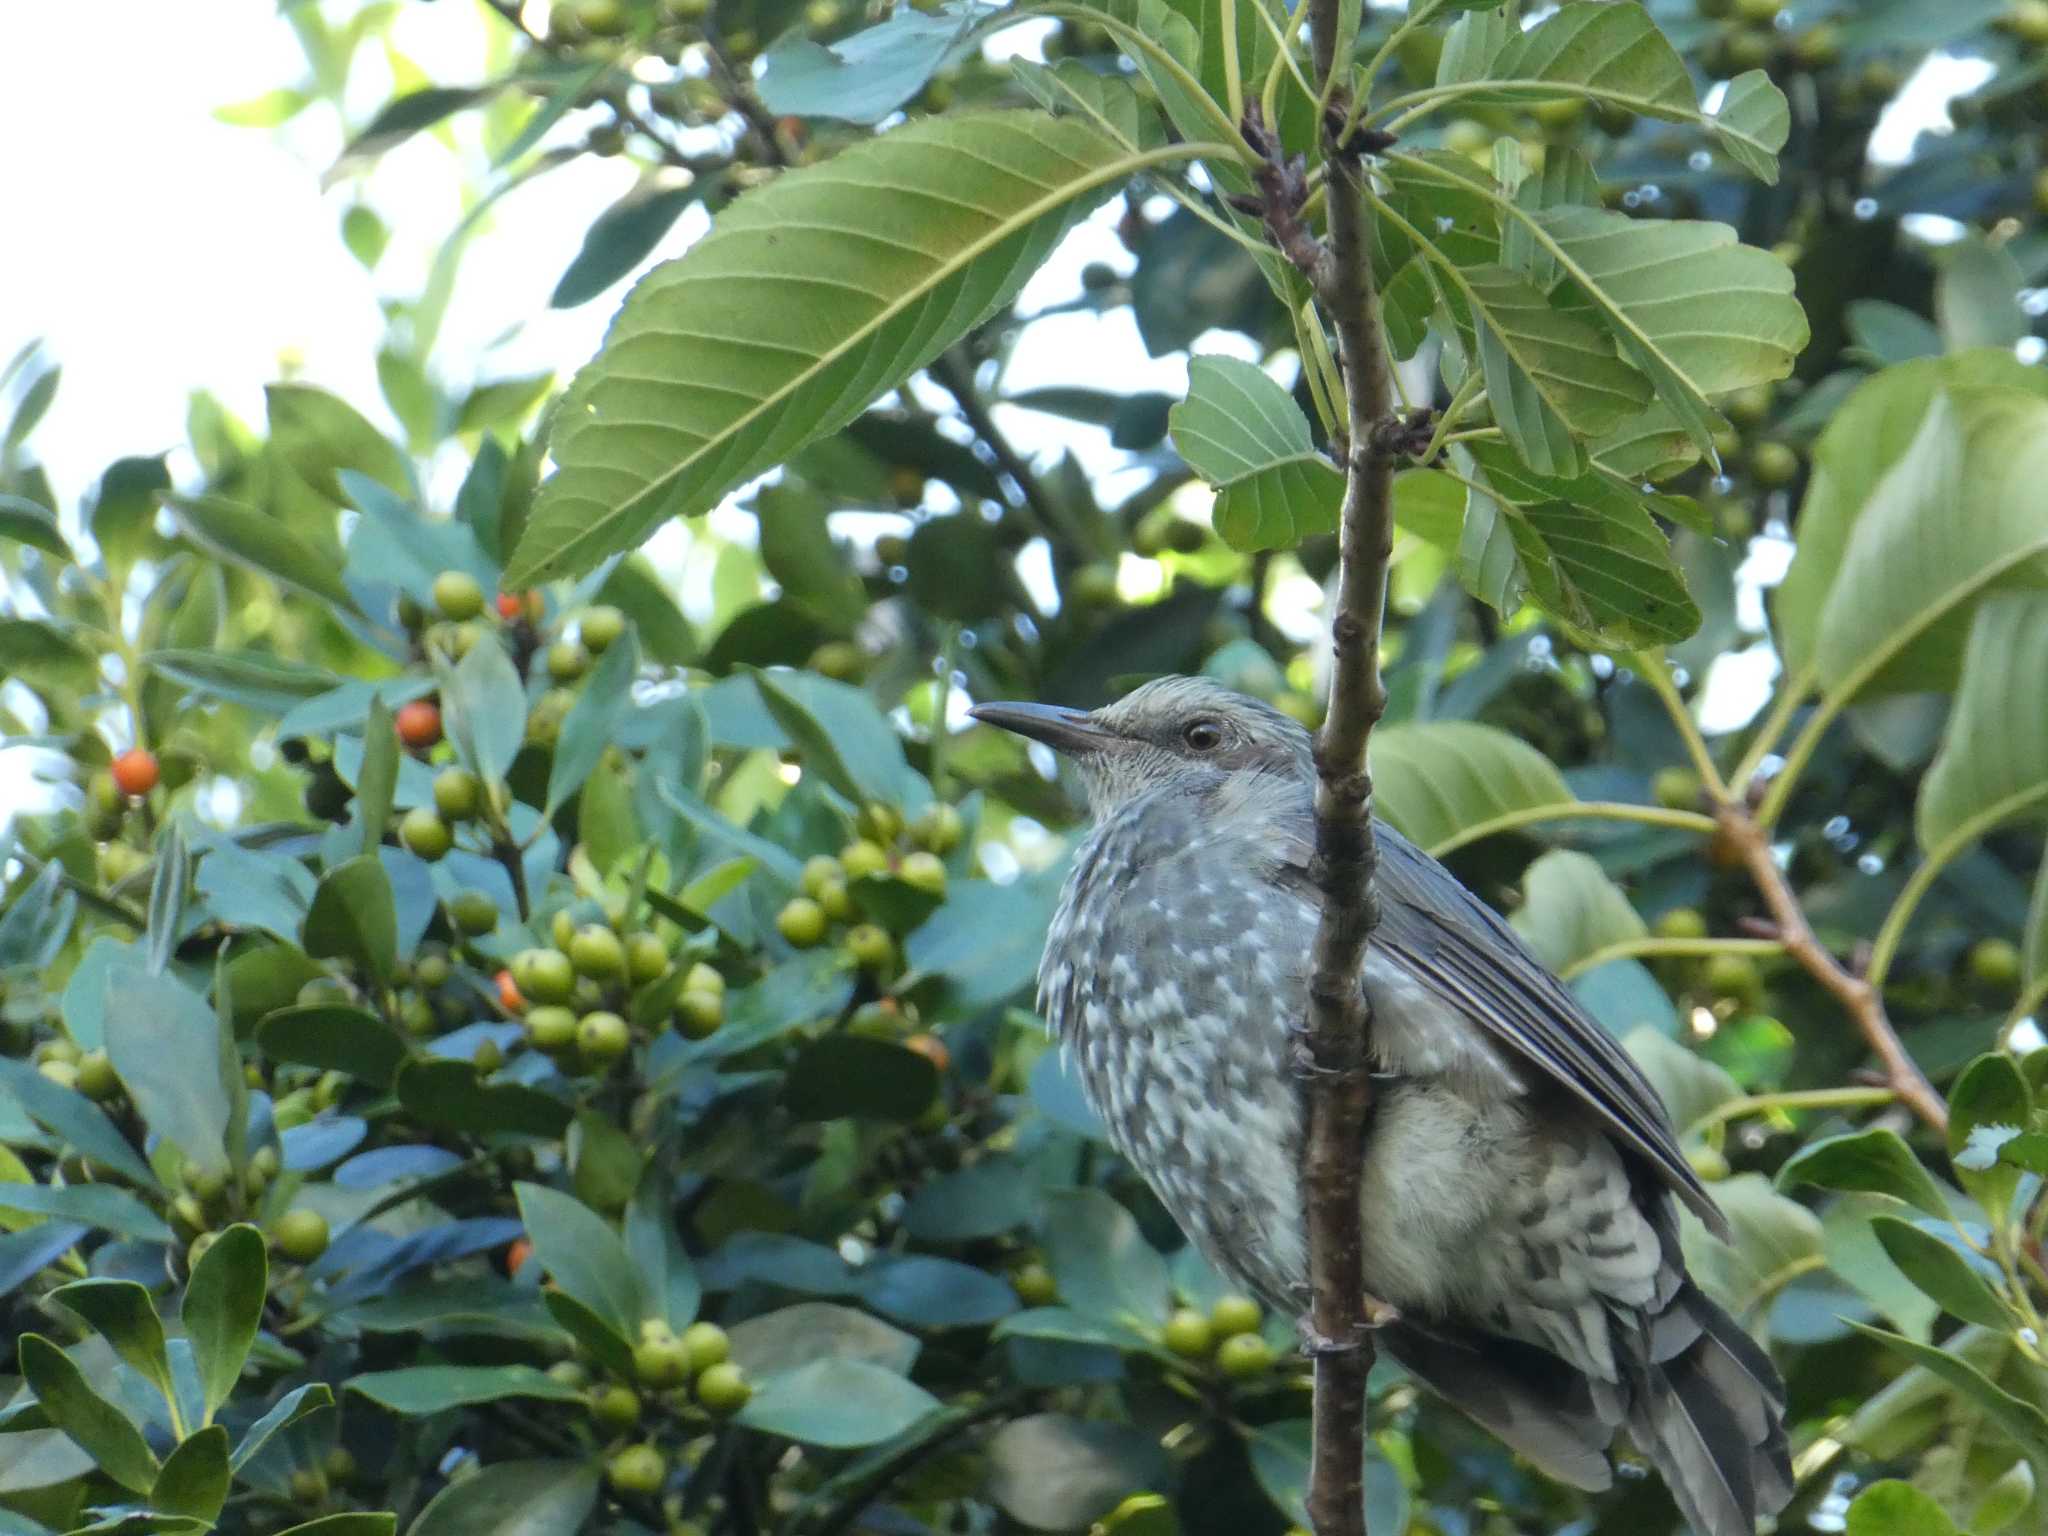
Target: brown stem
1863,1002
956,376
1339,1090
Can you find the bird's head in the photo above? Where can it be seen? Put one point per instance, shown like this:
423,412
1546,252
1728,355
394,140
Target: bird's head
1185,731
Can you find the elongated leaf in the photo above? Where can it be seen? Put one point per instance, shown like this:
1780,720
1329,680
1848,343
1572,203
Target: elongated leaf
431,1388
2019,1418
1444,781
334,1036
355,1522
165,1044
621,238
26,522
809,297
1244,434
514,1498
271,684
255,540
288,1410
592,720
844,738
837,1403
1103,1264
96,1205
95,1425
1940,1272
865,77
194,1480
586,1258
449,1094
1876,1161
224,1308
122,1313
73,1117
168,887
484,708
1993,762
354,916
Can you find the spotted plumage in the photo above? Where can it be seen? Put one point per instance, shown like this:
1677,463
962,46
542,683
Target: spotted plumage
1520,1174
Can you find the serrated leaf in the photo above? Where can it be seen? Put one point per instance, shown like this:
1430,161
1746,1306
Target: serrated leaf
809,297
1244,434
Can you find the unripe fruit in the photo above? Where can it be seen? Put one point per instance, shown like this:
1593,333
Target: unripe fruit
135,772
924,871
1034,1285
417,1015
1233,1315
723,1389
862,858
1244,1355
661,1362
820,870
1682,923
646,958
425,834
616,1407
63,1073
1773,464
1733,976
458,793
1188,1334
802,923
209,1183
602,1037
544,975
938,829
1676,789
600,627
474,913
458,596
869,946
699,1014
339,1465
96,1076
488,1057
875,1021
1758,11
840,660
596,952
708,1345
704,978
638,1469
879,822
837,901
301,1235
431,969
1995,963
567,661
563,927
567,1373
418,723
551,1028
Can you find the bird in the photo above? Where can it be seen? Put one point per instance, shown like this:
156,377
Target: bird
1520,1180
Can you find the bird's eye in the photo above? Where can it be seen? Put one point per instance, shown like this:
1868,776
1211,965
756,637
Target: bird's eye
1203,736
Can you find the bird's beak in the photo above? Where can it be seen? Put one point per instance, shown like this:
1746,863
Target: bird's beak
1064,730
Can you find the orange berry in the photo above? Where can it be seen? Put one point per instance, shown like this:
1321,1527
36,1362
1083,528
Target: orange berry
516,1254
135,771
508,993
419,724
511,607
932,1048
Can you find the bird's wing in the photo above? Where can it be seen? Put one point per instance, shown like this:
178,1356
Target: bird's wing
1456,946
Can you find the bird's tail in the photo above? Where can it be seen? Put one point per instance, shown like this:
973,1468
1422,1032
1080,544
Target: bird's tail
1710,1414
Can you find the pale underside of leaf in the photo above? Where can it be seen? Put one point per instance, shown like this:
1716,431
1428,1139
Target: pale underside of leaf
812,296
1244,434
1994,758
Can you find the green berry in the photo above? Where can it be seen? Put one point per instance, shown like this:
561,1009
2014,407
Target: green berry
699,1014
569,1373
1995,963
862,858
567,661
1682,923
1034,1285
563,929
938,829
96,1077
708,1345
550,1028
1773,464
723,1388
1733,976
638,1469
431,969
602,1037
600,627
924,871
425,834
704,978
597,953
876,1021
869,946
1233,1315
879,822
301,1235
458,596
820,870
646,958
474,913
1244,1355
1676,789
616,1407
1188,1334
544,975
458,794
802,923
661,1362
837,901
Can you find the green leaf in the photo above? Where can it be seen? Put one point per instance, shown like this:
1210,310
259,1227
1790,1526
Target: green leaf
845,1075
96,1205
36,526
843,737
2011,1496
794,1336
224,1308
320,435
1691,1087
336,1037
194,1480
73,1117
288,1410
354,917
1893,1508
124,511
1772,1242
593,720
2019,1418
270,110
168,886
251,889
423,1389
1752,124
1876,1161
865,77
584,1256
165,1043
350,1523
1570,908
1991,1099
1445,782
95,1425
259,542
403,116
483,706
47,657
1280,1456
621,238
650,431
268,684
836,1403
1977,296
657,1251
1940,1272
1993,762
449,1095
798,548
377,779
1244,434
1058,1473
1065,1325
1102,1262
514,1498
122,1314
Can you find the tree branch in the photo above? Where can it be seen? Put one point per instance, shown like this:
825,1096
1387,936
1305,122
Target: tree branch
1744,833
954,375
1339,1088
